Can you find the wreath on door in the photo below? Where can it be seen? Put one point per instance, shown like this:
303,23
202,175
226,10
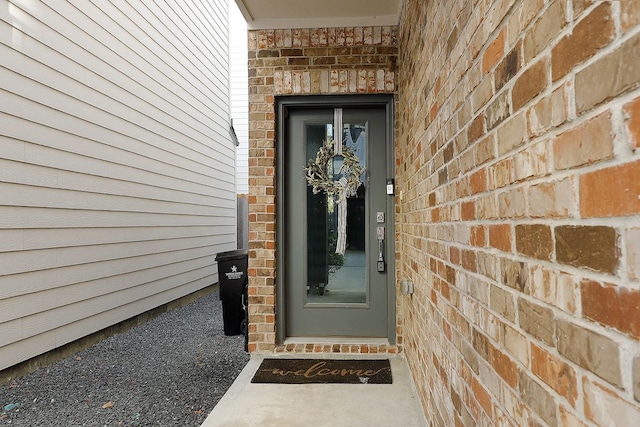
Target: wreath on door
320,176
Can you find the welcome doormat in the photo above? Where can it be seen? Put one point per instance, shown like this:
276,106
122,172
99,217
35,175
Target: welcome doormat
323,371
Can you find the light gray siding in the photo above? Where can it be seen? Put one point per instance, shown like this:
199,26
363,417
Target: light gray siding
240,93
117,172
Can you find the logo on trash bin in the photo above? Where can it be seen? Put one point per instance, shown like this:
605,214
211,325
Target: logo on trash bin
234,274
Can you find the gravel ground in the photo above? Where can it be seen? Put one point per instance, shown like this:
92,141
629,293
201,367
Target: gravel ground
170,371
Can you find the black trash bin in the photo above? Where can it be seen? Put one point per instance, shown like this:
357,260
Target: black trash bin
232,276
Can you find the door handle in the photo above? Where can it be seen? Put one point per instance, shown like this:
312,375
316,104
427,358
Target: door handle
380,235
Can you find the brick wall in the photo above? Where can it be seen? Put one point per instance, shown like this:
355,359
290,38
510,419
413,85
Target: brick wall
317,61
519,221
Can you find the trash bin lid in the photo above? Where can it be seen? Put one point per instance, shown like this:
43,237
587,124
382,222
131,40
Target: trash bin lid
237,254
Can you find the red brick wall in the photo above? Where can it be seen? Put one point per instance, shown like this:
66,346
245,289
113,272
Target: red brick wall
317,61
519,221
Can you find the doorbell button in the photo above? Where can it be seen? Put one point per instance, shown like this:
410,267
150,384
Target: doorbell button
390,187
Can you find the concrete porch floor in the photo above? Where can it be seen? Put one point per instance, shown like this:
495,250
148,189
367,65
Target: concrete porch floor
343,405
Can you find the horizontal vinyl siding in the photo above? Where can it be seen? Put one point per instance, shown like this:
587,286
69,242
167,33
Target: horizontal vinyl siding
240,94
117,172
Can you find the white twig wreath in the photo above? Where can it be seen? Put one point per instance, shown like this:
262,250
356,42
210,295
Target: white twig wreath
320,178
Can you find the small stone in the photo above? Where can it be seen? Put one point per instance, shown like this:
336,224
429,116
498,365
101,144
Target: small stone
10,407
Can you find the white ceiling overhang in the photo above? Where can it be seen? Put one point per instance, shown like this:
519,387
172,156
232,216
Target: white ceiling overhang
278,14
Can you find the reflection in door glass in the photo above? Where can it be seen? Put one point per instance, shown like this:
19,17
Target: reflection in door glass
336,261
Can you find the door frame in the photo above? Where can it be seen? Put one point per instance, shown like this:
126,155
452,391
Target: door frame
283,104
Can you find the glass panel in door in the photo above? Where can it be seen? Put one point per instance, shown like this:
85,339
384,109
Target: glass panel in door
336,256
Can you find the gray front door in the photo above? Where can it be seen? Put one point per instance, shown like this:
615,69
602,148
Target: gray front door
338,267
